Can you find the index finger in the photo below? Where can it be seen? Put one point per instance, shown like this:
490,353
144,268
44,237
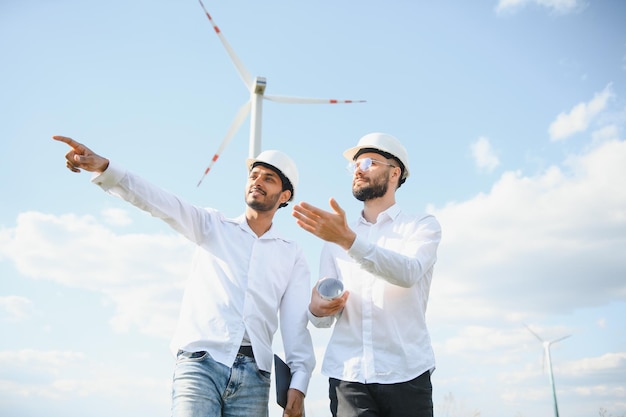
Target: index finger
71,142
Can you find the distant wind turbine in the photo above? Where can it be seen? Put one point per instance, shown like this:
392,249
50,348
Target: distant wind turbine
546,349
253,106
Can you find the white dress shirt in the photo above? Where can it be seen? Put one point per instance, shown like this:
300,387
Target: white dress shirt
381,334
237,283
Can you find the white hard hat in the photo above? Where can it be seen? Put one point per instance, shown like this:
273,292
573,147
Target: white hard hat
280,162
383,142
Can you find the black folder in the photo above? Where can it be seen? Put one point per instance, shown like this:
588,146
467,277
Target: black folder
283,379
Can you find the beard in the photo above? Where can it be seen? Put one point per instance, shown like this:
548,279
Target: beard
375,189
267,205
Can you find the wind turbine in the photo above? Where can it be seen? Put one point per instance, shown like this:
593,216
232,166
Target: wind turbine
546,349
254,106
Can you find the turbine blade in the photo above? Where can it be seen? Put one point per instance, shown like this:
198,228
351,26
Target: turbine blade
241,69
234,126
559,339
303,100
535,334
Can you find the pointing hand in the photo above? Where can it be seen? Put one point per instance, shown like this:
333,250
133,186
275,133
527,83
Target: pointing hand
81,157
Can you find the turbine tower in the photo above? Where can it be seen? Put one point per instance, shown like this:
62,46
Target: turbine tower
254,106
546,356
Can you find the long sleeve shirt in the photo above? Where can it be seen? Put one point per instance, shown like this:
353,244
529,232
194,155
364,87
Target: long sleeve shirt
381,334
237,283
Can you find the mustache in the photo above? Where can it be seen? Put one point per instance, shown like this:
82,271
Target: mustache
255,188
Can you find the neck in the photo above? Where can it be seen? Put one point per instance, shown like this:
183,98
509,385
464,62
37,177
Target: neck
372,208
259,221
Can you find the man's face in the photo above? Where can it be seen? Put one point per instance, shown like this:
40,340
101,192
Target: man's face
373,182
263,189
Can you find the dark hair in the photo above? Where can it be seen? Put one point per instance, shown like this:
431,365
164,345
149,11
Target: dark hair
385,155
285,181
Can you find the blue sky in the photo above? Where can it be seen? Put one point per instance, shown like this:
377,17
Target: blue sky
513,114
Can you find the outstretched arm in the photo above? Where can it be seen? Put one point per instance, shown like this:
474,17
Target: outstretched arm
81,157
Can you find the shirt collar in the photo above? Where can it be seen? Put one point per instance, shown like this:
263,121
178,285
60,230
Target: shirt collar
391,213
272,233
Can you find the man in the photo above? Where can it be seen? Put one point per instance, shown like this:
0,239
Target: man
243,274
379,357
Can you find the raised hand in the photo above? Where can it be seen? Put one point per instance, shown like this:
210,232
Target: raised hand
328,226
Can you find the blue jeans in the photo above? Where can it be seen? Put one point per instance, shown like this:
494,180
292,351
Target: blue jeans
203,387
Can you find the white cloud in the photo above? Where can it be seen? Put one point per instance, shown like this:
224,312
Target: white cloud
80,252
484,155
557,6
603,366
510,5
61,379
605,133
17,308
476,338
116,217
554,241
48,363
580,116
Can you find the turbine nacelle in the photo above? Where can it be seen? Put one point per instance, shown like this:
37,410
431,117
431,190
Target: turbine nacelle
259,85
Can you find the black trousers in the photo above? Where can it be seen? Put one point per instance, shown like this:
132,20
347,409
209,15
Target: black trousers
406,399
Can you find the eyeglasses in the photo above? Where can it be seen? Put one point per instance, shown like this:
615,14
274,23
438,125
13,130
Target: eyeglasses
365,164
